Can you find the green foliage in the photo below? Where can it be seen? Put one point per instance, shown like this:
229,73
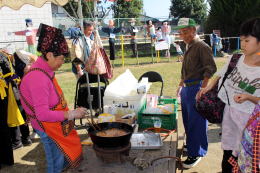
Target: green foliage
227,15
85,5
195,9
131,9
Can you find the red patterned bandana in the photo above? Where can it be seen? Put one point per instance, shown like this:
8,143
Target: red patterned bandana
52,40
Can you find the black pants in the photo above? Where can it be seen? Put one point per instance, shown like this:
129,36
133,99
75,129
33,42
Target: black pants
112,48
134,47
226,166
21,132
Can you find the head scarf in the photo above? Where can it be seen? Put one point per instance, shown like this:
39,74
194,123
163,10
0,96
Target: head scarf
52,40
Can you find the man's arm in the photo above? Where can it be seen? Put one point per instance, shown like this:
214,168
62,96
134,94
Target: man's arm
205,82
181,83
105,30
208,63
117,30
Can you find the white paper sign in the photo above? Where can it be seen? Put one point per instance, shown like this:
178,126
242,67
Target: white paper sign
112,35
161,45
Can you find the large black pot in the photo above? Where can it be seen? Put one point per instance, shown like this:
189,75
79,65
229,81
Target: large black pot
109,142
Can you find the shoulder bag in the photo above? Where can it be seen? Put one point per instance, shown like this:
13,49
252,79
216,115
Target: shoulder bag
209,106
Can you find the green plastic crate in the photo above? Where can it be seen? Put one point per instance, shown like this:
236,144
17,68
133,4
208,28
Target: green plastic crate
169,121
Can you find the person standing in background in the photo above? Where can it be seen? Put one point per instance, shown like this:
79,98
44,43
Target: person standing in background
81,48
159,36
179,51
111,30
133,31
166,30
151,31
20,134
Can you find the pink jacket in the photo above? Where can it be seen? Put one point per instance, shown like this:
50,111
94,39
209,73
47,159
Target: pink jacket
39,91
30,35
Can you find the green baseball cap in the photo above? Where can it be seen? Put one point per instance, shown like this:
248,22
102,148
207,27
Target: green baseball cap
184,23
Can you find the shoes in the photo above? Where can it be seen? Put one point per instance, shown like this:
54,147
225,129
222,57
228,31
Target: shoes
16,146
185,149
27,142
191,162
34,136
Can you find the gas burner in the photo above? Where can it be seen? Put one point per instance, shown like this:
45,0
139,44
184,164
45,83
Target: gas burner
111,155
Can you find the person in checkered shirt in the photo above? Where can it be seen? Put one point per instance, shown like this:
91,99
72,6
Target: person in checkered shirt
249,149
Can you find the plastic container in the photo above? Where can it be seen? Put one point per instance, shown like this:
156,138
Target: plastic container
128,103
168,121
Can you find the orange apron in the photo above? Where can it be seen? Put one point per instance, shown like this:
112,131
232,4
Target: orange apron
62,133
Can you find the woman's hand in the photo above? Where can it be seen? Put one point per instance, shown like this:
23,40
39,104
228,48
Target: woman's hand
77,113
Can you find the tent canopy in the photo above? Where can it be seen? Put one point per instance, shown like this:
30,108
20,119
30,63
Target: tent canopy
17,4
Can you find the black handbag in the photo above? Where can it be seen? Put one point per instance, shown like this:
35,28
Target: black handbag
209,106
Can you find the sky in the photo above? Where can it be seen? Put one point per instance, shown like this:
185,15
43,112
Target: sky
157,8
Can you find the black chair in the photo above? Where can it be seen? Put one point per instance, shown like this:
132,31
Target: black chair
81,94
153,77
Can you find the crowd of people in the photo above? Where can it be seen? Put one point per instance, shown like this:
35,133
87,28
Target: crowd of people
44,106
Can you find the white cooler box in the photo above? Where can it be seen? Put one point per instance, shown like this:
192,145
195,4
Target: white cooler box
126,104
125,95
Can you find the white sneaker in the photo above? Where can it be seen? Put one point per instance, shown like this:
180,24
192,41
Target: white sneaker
34,136
191,162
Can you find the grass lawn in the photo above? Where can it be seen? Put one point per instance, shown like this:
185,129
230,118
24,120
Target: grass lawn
170,72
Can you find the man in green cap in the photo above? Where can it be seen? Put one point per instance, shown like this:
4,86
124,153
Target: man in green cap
198,66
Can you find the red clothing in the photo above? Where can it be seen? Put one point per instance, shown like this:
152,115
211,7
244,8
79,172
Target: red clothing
30,35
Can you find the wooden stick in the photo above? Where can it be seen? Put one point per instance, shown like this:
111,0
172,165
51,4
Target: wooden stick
91,124
96,125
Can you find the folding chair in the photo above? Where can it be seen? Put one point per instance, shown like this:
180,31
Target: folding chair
81,94
153,77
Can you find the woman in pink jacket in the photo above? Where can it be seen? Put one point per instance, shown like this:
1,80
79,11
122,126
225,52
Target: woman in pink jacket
45,106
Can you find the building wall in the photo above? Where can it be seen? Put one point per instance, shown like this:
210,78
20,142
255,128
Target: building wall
14,20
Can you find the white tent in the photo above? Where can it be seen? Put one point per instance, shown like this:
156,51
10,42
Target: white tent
17,4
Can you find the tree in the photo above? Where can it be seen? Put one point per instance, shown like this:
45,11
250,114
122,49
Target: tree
195,9
128,9
227,15
87,7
